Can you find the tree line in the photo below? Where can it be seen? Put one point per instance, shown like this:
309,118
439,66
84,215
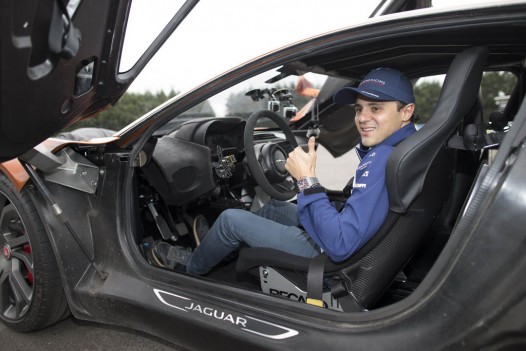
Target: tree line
130,107
494,84
133,105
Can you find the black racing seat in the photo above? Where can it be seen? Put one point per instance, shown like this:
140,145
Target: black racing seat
418,174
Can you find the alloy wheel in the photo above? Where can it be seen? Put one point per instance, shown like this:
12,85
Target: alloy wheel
16,263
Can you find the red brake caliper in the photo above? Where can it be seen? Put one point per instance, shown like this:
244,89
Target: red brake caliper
27,249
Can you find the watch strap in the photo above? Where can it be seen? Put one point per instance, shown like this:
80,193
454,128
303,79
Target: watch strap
314,190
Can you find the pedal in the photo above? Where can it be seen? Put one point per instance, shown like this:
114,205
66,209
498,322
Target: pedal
161,223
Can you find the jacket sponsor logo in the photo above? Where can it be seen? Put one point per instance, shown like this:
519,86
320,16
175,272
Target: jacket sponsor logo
360,185
365,174
242,322
364,165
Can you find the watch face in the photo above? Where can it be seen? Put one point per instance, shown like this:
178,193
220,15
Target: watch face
307,182
312,181
303,184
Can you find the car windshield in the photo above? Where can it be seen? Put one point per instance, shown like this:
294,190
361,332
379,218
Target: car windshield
287,97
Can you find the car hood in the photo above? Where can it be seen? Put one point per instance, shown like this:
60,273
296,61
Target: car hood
59,64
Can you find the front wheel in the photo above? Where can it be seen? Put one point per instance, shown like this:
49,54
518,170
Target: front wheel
31,292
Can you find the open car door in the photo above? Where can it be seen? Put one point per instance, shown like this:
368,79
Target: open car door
60,63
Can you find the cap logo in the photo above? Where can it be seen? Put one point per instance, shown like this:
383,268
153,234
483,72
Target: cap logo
365,92
373,81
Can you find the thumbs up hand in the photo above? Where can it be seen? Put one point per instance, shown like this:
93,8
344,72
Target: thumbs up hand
301,163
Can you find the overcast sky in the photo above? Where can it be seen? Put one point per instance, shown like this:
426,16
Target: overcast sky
218,35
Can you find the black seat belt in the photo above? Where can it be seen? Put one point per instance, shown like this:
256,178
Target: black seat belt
315,280
347,190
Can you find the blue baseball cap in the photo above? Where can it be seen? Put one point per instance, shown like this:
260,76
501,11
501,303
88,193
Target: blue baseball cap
383,84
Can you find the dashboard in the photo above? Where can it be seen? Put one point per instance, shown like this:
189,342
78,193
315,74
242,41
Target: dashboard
193,160
225,132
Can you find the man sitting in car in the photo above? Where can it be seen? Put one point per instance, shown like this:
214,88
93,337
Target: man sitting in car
384,105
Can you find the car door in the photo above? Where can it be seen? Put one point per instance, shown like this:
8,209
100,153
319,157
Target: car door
60,63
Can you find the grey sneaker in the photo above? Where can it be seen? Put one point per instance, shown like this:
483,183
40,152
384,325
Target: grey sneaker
168,256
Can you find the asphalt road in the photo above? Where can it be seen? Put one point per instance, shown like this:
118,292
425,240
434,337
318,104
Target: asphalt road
74,335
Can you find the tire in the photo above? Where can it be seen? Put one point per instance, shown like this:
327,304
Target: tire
31,292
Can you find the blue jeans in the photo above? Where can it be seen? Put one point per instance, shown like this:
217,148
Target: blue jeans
272,226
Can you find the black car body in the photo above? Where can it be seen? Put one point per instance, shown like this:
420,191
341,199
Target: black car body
77,216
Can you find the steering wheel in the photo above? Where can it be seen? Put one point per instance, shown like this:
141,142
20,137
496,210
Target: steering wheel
266,161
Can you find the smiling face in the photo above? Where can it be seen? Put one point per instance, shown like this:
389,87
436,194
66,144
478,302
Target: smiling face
377,120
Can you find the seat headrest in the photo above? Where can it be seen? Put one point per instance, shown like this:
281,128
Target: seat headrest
410,161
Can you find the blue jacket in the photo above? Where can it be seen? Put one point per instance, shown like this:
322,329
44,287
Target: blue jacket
342,233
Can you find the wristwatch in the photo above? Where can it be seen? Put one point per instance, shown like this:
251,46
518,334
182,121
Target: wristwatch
307,182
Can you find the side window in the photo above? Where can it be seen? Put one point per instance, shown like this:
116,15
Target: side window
495,91
426,91
496,88
147,19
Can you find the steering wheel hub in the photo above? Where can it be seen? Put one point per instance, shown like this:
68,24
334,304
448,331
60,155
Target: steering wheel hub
279,160
273,159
